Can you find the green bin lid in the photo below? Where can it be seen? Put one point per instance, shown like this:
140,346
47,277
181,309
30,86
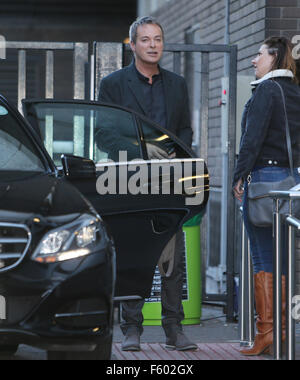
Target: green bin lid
195,221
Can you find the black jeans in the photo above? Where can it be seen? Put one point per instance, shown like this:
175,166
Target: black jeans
171,296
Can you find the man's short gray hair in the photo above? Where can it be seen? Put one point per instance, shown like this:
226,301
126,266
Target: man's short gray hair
142,21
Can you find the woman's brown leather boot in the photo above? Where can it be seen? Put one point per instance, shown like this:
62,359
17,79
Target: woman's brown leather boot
263,283
264,307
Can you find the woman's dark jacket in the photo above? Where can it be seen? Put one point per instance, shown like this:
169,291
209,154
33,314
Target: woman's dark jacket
263,141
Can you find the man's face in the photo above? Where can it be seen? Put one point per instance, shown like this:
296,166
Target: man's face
149,44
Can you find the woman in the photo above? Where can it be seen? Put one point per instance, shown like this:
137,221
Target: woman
264,155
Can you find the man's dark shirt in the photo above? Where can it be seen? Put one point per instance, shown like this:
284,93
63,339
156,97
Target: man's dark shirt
154,98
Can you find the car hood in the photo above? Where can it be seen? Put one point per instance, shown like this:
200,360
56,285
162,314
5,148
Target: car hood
43,195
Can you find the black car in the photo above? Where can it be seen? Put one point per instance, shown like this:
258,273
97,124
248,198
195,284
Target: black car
84,217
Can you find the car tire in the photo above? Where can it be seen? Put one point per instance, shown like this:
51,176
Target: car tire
102,352
9,350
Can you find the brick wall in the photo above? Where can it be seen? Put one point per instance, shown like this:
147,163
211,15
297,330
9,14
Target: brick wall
282,17
247,30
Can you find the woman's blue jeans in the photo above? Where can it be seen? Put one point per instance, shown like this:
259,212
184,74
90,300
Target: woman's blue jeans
261,241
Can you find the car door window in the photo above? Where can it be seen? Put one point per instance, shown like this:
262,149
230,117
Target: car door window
101,133
115,136
157,137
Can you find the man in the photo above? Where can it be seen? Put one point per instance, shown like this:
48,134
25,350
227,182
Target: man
162,96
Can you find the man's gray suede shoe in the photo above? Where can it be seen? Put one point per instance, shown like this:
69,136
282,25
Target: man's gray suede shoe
131,341
177,340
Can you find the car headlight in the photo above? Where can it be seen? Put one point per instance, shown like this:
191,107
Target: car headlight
70,241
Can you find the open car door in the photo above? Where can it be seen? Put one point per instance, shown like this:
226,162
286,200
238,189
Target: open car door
144,202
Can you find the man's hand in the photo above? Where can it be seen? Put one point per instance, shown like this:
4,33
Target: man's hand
154,152
239,190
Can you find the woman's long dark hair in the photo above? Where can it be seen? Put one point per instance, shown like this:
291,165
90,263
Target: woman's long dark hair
282,49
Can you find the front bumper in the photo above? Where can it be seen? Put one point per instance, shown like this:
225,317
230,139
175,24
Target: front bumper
62,306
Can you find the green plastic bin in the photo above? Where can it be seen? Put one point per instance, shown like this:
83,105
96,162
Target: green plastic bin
192,297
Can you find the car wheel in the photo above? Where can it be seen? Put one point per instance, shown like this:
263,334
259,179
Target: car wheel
9,350
102,352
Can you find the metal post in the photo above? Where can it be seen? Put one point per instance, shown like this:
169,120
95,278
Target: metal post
277,283
92,78
203,153
21,78
231,212
293,224
243,339
246,297
80,61
81,58
251,317
49,122
49,74
247,293
92,116
290,291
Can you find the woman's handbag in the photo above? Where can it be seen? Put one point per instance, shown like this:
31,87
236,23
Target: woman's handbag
260,204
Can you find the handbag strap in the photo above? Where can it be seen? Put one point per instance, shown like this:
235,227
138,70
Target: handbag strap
287,130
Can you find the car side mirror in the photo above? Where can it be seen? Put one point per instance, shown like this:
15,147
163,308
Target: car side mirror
78,167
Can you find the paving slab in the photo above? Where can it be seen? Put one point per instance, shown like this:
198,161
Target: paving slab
216,340
205,351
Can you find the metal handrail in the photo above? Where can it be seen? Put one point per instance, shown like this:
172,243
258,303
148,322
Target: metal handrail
291,223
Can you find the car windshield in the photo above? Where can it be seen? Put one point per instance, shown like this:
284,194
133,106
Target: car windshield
18,154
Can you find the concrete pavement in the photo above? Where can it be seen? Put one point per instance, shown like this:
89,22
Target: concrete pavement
216,339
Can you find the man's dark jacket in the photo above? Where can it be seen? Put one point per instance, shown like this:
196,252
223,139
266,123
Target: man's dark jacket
123,88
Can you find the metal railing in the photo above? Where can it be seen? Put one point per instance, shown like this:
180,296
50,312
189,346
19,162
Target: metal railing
247,326
291,223
80,60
